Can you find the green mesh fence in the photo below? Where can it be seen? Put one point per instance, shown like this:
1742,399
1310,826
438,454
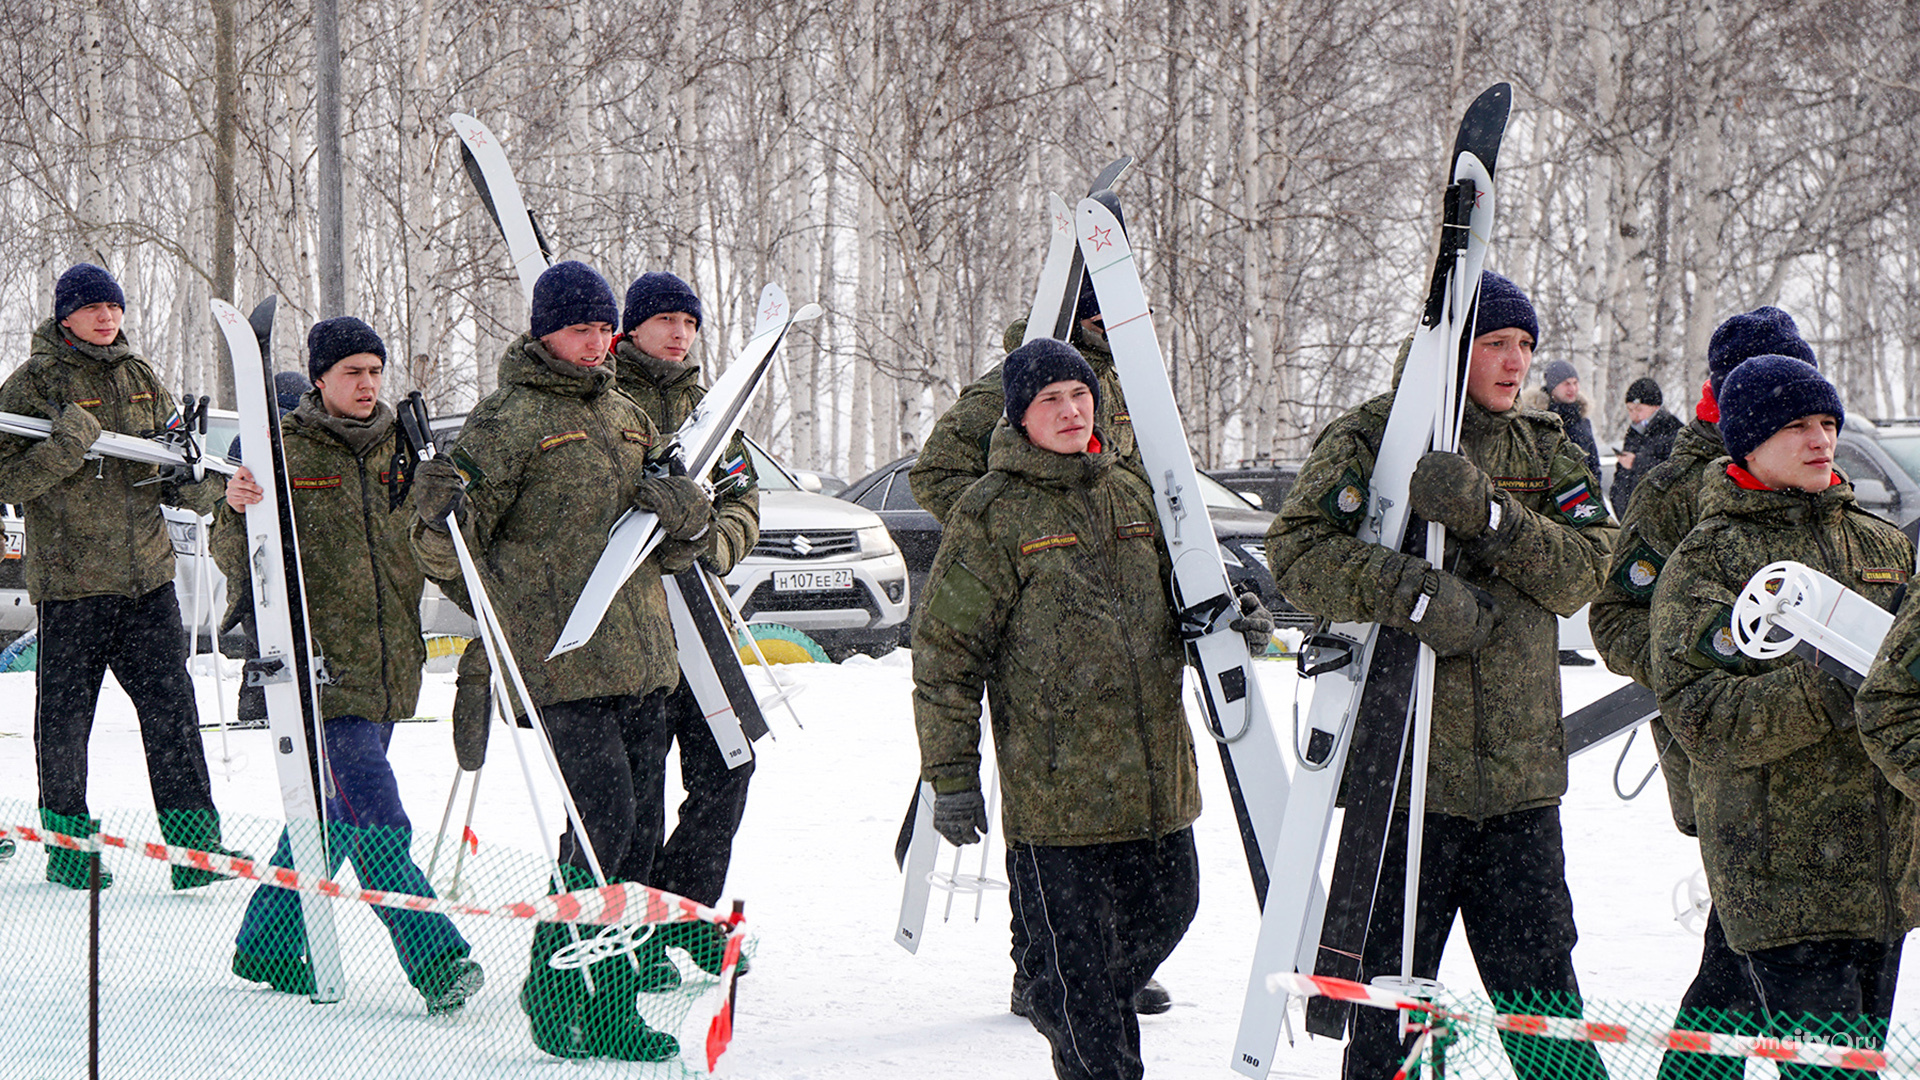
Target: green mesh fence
1551,1037
630,1000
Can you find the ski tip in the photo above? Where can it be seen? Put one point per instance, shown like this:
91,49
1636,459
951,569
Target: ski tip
773,310
1110,175
262,318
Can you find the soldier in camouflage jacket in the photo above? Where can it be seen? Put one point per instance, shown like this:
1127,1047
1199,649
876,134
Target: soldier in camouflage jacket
550,461
1528,539
1664,507
1050,592
363,618
99,566
1805,842
659,322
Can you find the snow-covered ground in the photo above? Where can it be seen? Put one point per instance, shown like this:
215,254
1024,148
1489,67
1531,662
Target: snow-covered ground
830,995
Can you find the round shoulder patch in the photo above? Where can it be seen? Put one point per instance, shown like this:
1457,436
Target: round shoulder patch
1642,573
1723,642
1349,499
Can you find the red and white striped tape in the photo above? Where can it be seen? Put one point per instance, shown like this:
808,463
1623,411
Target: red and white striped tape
1572,1029
622,903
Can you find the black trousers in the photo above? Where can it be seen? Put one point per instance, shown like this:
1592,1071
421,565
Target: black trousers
613,753
1827,991
1100,919
142,642
1721,999
693,862
1506,879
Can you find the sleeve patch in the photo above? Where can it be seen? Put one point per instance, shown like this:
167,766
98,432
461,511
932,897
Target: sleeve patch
962,599
562,439
735,474
1524,485
1577,505
470,473
1911,661
1640,571
313,483
1135,530
1345,501
1035,546
1716,645
633,435
1883,575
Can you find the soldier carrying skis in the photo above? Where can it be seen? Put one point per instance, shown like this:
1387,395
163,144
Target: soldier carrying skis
363,614
1527,539
99,565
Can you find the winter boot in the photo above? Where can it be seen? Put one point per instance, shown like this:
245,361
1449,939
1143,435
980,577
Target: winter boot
66,867
555,1000
449,981
1152,999
614,1027
705,943
199,830
287,974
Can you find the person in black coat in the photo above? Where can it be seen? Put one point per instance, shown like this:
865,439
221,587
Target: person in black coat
1560,394
1648,441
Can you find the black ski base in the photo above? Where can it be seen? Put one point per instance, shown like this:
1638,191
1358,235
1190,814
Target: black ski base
1629,706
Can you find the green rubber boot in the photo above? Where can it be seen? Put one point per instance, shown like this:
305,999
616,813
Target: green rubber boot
65,867
614,1027
287,974
555,1000
199,830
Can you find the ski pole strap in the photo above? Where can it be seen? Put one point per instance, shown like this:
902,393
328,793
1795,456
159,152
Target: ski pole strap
1198,620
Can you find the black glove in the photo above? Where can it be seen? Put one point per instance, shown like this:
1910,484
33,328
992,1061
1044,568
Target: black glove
961,817
682,505
438,491
678,555
1255,624
1452,491
1449,615
472,707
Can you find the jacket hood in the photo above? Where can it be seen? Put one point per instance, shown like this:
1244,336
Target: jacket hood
1012,452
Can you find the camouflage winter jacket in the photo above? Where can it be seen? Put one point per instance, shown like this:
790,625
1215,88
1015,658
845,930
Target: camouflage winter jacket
1498,742
1050,591
1663,510
95,530
363,582
551,460
668,392
1888,704
955,454
1803,838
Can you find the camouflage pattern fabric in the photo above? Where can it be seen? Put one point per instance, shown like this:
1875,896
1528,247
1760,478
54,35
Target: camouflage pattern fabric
1660,514
1803,838
551,461
363,581
1050,590
668,392
955,454
91,531
1498,743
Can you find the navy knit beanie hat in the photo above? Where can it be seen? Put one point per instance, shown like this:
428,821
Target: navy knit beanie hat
571,293
1765,394
1037,365
83,284
288,386
1644,391
1503,306
655,292
1761,332
333,340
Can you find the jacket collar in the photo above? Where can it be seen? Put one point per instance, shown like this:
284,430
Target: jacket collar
527,363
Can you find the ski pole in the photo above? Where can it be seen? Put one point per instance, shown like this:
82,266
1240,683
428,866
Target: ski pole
445,816
203,577
466,830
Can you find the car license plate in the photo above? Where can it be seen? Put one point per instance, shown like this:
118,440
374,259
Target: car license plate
16,543
811,580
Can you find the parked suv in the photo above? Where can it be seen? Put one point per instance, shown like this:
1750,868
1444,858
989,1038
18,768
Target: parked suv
1876,457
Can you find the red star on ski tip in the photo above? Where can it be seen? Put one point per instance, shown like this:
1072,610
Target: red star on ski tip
1061,224
479,137
1102,238
772,312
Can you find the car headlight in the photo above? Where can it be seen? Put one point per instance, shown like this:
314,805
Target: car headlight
874,541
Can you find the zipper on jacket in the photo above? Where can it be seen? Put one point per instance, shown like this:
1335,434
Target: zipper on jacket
379,594
1104,555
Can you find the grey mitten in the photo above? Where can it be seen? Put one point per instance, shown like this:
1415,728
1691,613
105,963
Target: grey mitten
1449,615
1255,623
961,817
1452,491
438,490
472,707
684,508
677,555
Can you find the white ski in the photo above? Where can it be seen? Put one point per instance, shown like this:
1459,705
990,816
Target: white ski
503,200
1043,317
285,667
113,444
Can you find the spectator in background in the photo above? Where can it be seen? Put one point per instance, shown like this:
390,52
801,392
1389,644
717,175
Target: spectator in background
1648,441
1560,395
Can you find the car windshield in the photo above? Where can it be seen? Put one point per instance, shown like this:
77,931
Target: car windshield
1221,497
767,471
1904,448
